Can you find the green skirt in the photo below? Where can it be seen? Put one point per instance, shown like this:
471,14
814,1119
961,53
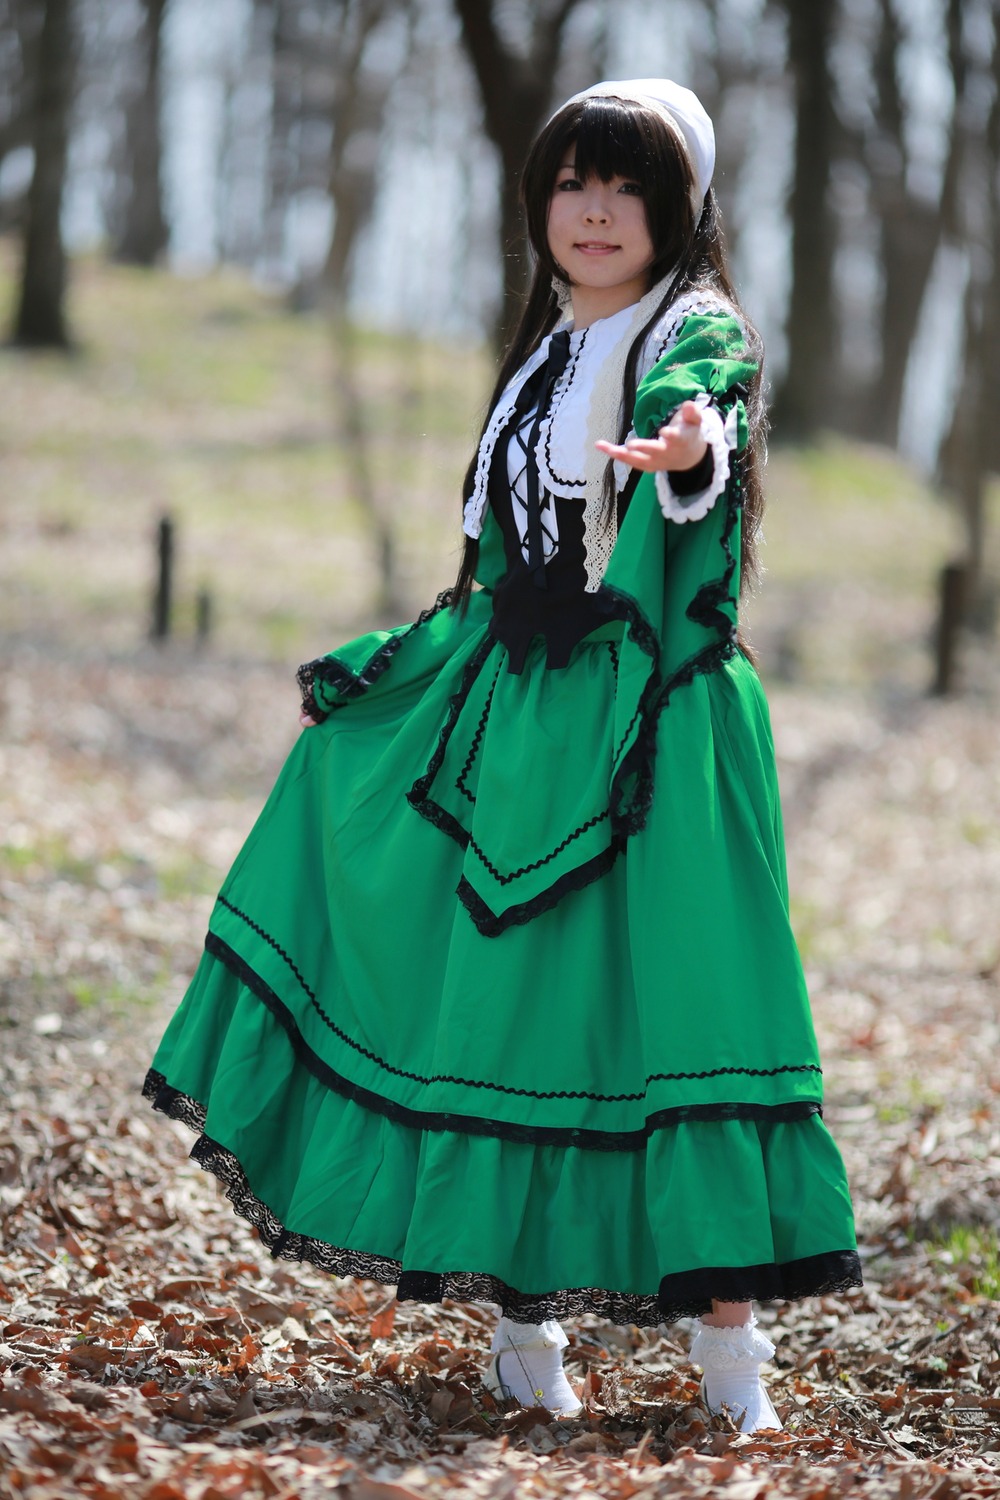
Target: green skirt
457,1030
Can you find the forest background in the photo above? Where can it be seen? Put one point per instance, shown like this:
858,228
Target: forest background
255,259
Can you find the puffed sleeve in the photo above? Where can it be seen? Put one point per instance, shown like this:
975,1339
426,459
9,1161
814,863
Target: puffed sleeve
709,364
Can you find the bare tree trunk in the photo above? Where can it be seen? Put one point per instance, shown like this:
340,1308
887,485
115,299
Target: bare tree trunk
286,98
910,232
970,448
18,39
516,91
40,320
802,405
353,180
144,234
388,603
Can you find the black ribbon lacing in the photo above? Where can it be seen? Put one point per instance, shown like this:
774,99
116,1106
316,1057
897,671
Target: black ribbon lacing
555,364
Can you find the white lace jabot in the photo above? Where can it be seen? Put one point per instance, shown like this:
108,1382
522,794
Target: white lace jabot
585,406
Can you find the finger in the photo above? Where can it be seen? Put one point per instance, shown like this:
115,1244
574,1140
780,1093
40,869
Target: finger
307,722
650,447
683,419
632,456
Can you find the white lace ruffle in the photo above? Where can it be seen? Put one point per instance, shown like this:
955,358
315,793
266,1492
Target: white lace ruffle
721,438
730,1351
475,506
664,334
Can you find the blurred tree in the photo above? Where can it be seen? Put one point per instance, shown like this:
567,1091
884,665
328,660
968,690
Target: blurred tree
515,86
737,66
971,449
20,24
909,232
143,234
287,63
40,318
910,218
356,112
802,404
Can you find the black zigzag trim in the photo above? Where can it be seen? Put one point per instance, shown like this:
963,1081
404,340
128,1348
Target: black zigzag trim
463,1124
238,966
460,784
538,864
683,1294
417,796
548,419
328,670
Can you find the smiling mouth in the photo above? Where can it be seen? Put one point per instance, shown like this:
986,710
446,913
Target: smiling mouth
594,246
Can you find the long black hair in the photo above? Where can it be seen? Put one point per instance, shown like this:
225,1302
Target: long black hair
623,138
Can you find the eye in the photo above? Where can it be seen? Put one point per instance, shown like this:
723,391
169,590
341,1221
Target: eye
634,188
568,185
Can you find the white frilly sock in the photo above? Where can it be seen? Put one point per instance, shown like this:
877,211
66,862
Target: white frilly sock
527,1366
731,1359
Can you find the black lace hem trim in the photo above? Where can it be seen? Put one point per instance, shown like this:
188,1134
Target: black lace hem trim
555,1135
631,792
330,671
682,1294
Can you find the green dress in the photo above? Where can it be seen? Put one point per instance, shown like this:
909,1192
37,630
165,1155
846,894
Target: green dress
500,999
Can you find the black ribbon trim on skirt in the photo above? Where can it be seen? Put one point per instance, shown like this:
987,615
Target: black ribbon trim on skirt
631,792
537,1135
684,1294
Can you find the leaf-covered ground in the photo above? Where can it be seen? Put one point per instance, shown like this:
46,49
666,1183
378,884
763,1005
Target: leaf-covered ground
150,1348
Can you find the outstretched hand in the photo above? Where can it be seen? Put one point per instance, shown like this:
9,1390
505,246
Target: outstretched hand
678,445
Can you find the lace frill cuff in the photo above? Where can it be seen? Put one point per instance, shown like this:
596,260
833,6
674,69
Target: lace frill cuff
720,435
725,1350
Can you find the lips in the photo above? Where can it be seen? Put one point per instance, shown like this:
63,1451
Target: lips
595,247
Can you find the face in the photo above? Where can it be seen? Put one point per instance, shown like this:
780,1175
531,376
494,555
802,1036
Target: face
598,234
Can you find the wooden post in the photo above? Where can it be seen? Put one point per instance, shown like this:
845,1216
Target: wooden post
163,595
951,617
203,618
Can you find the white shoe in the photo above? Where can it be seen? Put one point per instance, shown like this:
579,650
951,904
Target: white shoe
527,1367
731,1359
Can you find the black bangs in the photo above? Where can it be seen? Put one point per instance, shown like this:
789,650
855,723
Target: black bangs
616,140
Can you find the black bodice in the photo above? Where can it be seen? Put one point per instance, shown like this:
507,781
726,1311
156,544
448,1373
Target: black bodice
562,612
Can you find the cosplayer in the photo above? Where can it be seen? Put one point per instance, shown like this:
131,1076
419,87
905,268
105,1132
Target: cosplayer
500,1000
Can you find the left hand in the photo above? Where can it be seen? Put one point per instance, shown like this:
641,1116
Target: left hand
678,445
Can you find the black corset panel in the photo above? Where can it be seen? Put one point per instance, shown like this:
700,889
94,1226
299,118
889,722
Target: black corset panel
561,612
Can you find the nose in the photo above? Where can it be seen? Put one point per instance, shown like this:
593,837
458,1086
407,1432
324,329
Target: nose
596,209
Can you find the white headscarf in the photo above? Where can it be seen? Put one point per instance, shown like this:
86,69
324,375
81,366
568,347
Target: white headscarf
683,112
